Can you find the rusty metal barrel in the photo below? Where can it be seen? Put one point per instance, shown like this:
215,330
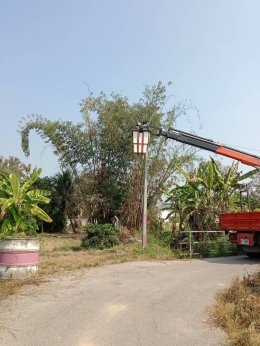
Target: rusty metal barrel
19,257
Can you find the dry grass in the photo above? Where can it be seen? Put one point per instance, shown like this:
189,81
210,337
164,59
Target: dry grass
237,311
57,244
60,254
10,287
68,256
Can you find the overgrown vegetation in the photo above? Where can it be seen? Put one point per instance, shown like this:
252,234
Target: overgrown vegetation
100,236
255,193
207,192
214,246
101,178
99,153
237,311
55,209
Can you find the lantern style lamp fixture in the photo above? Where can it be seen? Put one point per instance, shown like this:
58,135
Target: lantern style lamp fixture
141,136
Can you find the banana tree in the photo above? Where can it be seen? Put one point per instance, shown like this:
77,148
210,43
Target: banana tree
19,205
206,194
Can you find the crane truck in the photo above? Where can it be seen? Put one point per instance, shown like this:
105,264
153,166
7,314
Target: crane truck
244,227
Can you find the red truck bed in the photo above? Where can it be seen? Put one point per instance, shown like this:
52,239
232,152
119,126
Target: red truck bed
249,221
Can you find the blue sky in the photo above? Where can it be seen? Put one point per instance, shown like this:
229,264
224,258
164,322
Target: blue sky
52,52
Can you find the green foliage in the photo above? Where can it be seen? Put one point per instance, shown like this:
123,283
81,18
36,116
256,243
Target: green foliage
165,238
214,247
255,193
99,151
14,165
70,201
19,205
66,200
205,195
100,236
155,249
209,246
55,209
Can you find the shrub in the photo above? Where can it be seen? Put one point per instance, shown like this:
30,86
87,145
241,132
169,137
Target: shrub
100,236
214,247
165,238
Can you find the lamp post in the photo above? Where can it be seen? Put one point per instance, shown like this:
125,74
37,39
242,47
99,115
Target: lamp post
141,136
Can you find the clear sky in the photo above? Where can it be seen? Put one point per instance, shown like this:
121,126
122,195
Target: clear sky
52,51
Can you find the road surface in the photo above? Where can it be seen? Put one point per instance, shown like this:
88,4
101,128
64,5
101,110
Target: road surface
139,303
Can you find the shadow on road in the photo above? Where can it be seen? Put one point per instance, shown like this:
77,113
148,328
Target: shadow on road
243,260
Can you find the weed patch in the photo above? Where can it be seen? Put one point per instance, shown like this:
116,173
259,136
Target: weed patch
214,247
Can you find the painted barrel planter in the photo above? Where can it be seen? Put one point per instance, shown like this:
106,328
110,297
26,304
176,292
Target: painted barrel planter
19,257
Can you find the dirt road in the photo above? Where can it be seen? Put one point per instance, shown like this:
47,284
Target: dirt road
138,303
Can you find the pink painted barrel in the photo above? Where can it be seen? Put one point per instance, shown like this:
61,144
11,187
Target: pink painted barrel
19,257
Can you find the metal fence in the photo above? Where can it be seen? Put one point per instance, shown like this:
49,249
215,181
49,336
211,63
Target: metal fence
191,242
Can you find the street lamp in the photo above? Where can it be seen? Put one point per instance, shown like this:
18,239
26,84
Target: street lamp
141,136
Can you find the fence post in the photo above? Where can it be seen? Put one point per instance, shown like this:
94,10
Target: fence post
190,247
225,243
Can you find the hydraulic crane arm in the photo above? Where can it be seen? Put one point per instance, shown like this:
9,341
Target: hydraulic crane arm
207,144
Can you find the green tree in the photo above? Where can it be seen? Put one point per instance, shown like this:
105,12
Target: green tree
65,190
14,165
255,192
19,205
55,209
99,151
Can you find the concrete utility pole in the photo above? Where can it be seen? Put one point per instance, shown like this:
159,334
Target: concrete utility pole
144,237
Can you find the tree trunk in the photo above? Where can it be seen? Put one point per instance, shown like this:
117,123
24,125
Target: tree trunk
72,223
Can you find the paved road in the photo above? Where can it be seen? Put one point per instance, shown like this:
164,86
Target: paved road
139,303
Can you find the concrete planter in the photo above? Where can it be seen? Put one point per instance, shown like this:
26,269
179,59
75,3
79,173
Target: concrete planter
19,257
